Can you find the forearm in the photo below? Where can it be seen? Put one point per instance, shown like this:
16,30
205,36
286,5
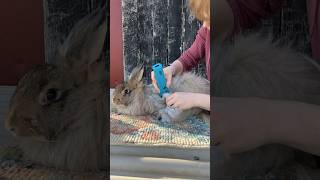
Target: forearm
223,20
176,67
299,127
242,124
230,16
202,101
248,13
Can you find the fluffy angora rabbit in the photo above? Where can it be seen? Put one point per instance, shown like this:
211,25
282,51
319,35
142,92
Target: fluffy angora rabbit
133,97
58,111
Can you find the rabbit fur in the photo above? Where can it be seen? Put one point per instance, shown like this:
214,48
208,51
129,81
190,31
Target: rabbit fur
133,97
256,67
57,111
253,66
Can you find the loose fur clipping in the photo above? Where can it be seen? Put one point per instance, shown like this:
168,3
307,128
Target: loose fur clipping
58,111
253,66
132,97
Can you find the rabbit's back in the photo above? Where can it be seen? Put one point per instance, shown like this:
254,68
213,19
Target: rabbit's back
190,82
257,67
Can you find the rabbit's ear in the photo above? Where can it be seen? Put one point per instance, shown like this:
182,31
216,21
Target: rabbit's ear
136,75
85,41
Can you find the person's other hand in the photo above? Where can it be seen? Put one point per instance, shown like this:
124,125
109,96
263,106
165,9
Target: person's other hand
168,75
181,100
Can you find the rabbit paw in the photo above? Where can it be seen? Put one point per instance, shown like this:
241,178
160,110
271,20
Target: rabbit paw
166,120
10,156
11,153
156,116
164,117
8,163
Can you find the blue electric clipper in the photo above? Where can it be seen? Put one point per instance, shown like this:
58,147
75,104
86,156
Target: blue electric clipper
164,90
161,80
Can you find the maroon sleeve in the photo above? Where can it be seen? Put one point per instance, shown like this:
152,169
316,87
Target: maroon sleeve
248,13
191,57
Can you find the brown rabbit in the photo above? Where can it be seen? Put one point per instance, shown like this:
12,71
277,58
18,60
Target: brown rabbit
133,97
255,67
58,111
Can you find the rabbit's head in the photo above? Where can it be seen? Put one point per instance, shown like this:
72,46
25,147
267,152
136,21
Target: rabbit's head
38,96
126,92
46,100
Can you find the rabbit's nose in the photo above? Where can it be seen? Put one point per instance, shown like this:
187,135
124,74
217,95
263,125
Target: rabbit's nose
117,100
12,129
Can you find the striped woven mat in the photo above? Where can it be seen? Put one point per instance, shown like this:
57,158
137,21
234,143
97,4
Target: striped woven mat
144,131
125,130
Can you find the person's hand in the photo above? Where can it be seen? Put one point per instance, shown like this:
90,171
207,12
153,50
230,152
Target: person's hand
181,100
168,75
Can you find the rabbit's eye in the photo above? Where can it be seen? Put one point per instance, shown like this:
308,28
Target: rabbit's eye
51,94
126,91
